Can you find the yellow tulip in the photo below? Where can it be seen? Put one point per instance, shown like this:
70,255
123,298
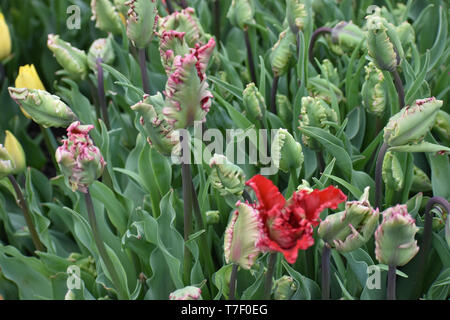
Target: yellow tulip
5,39
28,78
15,150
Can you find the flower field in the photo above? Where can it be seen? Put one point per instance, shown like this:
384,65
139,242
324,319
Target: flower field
224,150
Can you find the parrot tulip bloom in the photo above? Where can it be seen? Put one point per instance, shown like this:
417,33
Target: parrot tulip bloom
287,226
79,159
187,96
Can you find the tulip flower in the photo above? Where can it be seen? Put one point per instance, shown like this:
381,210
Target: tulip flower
254,102
227,177
28,78
383,43
412,123
73,60
186,293
184,21
331,72
241,13
315,112
44,108
287,153
285,287
79,159
141,22
346,36
187,96
373,90
350,229
172,44
287,226
106,17
158,132
212,217
296,15
100,48
12,156
241,235
394,238
5,39
392,172
282,52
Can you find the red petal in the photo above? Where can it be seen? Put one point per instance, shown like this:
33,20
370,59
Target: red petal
267,193
313,203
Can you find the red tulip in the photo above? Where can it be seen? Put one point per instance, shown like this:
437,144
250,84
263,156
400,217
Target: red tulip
287,226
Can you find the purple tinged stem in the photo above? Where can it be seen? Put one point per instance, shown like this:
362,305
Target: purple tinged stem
101,93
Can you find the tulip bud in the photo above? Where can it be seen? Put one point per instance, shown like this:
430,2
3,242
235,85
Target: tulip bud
241,13
373,91
305,186
185,21
226,177
187,293
187,96
241,235
158,132
79,159
212,217
392,172
412,123
73,60
282,52
284,108
320,87
347,36
421,182
442,127
16,153
5,39
330,72
296,15
28,78
314,112
141,22
394,238
286,152
254,102
106,16
6,163
285,287
44,108
383,43
171,44
100,48
350,229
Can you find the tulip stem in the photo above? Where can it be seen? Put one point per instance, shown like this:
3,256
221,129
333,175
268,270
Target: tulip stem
326,272
251,62
101,247
378,175
233,281
187,209
247,196
391,282
144,74
101,93
273,94
269,275
427,233
294,177
26,213
400,90
313,40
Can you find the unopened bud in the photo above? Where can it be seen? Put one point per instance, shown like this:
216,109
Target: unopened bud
100,48
286,152
373,91
187,293
254,102
141,22
296,15
347,36
241,13
226,177
106,16
282,52
392,172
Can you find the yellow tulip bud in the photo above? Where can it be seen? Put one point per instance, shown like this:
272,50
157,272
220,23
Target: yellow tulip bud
5,39
15,150
29,78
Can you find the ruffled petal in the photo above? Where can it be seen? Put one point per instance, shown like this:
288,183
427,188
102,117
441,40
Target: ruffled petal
267,193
